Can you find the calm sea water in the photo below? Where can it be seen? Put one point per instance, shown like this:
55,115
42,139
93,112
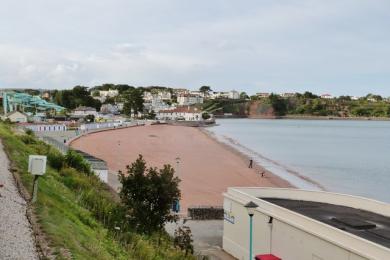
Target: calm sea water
343,156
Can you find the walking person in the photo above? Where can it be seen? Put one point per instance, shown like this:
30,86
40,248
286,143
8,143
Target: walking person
250,163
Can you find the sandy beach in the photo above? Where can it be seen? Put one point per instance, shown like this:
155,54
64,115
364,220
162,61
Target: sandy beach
207,168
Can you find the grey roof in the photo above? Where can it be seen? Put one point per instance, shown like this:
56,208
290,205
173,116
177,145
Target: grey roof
365,224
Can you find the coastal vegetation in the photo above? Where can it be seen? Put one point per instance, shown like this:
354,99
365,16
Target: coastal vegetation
78,216
306,104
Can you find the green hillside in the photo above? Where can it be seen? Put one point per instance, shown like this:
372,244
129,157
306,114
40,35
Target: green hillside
78,216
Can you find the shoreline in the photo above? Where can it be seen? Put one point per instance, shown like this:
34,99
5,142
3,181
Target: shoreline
204,177
247,157
274,178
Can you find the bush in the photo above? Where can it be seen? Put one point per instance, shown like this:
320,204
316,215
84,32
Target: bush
75,160
183,239
56,159
28,139
29,132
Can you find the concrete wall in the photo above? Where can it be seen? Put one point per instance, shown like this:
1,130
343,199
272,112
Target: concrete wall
102,174
291,236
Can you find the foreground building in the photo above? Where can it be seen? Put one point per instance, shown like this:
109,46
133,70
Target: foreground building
307,225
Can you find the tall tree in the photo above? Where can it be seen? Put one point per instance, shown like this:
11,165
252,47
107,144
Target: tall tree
149,194
205,89
134,101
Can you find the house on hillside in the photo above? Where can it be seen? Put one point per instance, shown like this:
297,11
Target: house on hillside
189,99
181,113
262,95
326,96
84,111
17,117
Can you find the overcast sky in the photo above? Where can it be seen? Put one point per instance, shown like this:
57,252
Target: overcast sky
328,46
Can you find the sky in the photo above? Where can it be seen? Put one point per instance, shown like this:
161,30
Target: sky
341,47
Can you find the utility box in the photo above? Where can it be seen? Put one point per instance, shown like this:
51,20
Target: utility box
37,164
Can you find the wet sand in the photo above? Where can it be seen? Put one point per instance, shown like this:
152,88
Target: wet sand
207,168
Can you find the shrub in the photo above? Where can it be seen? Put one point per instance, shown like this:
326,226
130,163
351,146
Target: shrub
28,139
29,132
75,160
183,239
56,159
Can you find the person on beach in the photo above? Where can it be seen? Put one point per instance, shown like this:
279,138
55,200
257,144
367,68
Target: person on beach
262,174
250,163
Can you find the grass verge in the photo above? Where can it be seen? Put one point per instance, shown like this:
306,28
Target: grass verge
79,215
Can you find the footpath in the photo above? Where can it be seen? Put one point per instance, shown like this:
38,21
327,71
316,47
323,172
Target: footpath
16,237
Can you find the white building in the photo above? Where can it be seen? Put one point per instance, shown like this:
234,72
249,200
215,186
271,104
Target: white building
287,95
109,109
306,225
234,94
180,113
109,93
84,111
188,99
225,95
263,95
164,95
326,96
17,117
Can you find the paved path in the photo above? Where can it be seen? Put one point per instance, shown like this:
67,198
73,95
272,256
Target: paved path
207,236
16,239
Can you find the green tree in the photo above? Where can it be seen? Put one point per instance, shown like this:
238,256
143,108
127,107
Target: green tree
148,195
205,116
244,95
205,89
134,101
278,104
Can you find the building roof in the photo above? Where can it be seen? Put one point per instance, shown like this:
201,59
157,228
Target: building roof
83,108
362,223
360,213
16,111
184,109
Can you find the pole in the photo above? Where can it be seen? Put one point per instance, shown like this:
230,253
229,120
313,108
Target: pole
250,236
35,188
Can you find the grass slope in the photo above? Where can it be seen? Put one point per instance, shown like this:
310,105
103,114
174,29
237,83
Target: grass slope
77,212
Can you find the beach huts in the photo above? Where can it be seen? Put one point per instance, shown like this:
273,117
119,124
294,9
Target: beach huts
292,224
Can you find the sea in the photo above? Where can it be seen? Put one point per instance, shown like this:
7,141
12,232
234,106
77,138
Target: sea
345,156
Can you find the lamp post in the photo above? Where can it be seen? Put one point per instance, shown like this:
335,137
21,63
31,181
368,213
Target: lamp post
250,206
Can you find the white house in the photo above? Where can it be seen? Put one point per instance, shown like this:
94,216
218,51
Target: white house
189,99
109,109
293,224
326,96
180,113
159,95
109,93
17,117
234,94
225,95
84,111
263,95
287,95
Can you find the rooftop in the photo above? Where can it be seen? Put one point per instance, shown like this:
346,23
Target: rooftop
365,224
